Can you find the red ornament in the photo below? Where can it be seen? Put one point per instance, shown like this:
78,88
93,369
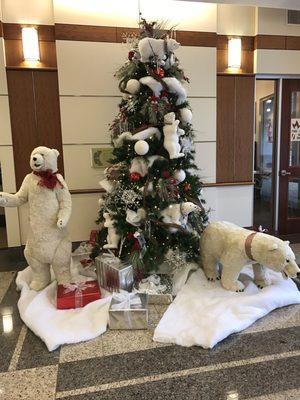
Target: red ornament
165,174
131,55
130,235
135,176
153,99
135,246
164,93
159,72
186,187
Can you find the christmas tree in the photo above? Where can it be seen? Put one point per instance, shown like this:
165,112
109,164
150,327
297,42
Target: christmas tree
152,212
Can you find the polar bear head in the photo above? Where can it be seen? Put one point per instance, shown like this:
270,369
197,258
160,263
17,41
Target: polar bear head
275,254
43,159
172,45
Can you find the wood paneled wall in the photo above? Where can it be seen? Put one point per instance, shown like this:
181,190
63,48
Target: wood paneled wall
235,128
34,115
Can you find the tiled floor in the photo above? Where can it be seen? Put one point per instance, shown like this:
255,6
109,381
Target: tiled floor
261,363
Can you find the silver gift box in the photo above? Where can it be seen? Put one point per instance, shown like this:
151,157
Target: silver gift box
163,298
114,275
134,317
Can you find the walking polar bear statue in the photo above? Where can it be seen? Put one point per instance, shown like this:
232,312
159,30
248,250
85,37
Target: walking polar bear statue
49,211
234,247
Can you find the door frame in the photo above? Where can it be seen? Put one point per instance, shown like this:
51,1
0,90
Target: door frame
285,223
279,78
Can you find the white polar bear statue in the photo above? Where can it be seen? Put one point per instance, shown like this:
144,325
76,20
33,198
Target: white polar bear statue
112,237
234,247
157,48
171,136
50,207
174,86
178,214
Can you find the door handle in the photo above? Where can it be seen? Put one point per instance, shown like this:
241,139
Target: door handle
284,172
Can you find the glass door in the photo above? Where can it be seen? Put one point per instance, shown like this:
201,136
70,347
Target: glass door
289,182
265,149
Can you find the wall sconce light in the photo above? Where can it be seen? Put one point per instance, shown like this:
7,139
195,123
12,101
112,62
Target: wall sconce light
234,53
30,42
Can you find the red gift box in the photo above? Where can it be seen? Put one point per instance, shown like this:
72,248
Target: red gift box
76,295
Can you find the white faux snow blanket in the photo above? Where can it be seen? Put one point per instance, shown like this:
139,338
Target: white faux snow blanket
204,313
56,327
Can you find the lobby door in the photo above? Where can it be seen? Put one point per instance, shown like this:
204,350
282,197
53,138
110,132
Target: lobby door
289,172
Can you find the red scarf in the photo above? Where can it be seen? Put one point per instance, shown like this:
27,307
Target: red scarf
48,179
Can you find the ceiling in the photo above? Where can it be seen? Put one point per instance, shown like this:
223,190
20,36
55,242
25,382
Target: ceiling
289,4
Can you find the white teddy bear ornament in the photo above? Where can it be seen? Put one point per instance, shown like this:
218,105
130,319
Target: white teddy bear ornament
171,136
50,205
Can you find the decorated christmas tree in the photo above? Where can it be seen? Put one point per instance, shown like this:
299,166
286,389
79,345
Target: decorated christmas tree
152,212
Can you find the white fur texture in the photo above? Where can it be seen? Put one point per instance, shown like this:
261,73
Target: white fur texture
112,237
171,137
141,165
174,86
142,135
135,217
186,115
225,242
133,86
150,47
48,242
177,214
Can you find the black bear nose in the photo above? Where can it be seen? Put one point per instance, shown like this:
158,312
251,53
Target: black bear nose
34,158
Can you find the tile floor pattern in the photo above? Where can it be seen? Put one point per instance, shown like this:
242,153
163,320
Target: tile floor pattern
261,363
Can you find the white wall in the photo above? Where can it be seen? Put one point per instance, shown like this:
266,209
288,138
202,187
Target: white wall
6,156
236,20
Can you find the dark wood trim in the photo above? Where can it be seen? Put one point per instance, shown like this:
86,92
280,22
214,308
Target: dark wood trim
200,39
34,115
276,42
13,32
86,33
113,34
87,191
234,74
228,184
21,68
293,42
271,42
235,128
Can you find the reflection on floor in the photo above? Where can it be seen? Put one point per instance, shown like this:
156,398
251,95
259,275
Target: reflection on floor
261,363
3,237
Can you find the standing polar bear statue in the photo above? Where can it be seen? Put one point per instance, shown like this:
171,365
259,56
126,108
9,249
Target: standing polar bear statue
50,206
235,247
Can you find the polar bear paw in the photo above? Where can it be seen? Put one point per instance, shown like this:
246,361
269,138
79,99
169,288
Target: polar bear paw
3,200
261,283
212,276
234,286
38,285
61,223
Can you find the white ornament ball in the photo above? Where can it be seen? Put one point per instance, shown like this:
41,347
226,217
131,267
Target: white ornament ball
141,147
179,175
133,86
186,115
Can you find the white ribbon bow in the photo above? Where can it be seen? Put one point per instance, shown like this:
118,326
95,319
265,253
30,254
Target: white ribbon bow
125,300
75,287
151,285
